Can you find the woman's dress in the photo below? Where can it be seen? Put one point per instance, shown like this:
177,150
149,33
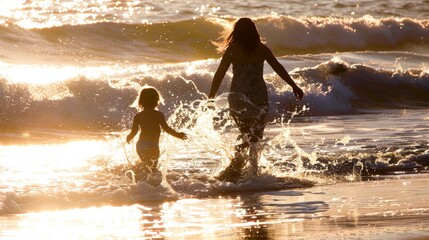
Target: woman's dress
248,99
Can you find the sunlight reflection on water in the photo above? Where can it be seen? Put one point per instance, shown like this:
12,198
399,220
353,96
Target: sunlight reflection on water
45,164
336,211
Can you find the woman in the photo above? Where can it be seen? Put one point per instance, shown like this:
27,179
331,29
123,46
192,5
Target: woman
248,98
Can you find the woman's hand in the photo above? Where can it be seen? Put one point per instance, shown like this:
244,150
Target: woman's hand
299,94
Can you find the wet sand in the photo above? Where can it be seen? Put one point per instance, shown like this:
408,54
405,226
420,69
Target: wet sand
396,207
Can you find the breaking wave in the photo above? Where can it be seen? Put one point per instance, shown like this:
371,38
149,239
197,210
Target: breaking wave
187,40
332,87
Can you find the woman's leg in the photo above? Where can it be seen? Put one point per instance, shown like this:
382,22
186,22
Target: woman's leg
252,130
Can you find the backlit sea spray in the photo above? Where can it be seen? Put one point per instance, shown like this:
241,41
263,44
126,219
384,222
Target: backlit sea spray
70,72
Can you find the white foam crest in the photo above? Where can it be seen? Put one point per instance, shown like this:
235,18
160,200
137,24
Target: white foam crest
336,86
173,41
306,34
336,99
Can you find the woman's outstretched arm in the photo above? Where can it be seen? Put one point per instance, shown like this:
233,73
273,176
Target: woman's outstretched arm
281,71
220,73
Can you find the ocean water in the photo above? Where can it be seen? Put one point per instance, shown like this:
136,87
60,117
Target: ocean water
353,153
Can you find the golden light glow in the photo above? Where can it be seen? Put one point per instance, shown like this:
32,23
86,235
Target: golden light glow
174,220
7,7
43,74
46,14
91,223
43,164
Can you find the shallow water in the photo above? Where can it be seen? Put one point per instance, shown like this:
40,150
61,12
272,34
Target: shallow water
321,149
79,197
392,208
353,154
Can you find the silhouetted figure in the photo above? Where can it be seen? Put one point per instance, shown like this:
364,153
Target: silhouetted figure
248,97
150,121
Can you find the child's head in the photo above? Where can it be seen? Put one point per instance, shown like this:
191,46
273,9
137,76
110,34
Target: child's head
149,98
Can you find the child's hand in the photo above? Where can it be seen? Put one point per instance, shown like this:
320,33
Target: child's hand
182,136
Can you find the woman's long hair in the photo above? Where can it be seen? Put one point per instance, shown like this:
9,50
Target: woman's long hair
245,34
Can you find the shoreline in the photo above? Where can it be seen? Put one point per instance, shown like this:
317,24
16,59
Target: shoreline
383,209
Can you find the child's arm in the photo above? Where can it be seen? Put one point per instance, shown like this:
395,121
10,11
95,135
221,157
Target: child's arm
169,130
134,130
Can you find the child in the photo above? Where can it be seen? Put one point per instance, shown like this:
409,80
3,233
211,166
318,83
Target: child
150,122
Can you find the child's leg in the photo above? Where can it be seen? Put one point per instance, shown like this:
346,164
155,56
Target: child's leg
152,163
149,154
